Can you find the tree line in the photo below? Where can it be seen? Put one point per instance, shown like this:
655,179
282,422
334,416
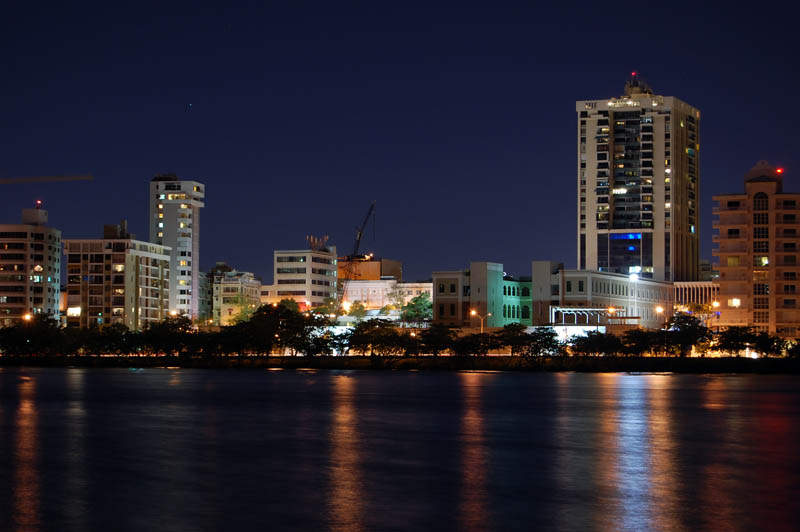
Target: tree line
284,329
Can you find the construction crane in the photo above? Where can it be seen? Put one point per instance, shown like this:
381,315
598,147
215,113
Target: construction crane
348,271
44,179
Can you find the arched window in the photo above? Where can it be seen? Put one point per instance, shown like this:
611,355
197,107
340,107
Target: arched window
504,311
526,291
526,312
760,202
516,290
505,290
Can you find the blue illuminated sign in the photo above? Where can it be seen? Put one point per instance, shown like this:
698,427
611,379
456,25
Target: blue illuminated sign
625,236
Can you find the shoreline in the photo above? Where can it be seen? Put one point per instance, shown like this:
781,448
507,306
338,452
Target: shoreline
697,365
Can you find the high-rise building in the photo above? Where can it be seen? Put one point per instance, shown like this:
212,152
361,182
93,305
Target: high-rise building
175,222
639,185
116,279
756,243
30,268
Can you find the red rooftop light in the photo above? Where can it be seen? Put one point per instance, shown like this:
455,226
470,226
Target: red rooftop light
779,170
633,73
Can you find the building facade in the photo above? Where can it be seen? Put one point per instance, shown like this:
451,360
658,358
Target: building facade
307,276
30,268
484,288
639,185
617,299
757,241
175,222
376,294
369,268
117,279
233,291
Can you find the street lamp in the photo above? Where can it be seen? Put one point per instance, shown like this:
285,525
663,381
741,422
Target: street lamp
660,311
715,306
474,312
27,317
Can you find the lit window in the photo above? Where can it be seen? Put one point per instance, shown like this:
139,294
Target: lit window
161,215
667,205
620,190
160,205
161,224
160,233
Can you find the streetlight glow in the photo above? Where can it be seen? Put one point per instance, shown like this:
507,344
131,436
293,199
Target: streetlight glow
659,309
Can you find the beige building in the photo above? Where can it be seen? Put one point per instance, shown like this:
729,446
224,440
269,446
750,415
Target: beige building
30,268
308,276
756,243
639,185
617,299
116,279
231,292
369,268
376,294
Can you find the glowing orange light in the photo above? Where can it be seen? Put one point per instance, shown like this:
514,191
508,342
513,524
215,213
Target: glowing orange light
779,170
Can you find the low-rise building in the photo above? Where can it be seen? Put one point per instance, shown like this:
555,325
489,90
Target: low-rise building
482,294
233,291
116,279
628,299
369,268
30,268
377,294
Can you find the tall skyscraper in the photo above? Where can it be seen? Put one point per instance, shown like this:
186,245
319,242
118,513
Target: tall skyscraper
639,185
175,222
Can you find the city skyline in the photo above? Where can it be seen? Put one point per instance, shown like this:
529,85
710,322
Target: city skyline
493,121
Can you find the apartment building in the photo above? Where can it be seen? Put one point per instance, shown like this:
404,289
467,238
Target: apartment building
175,223
639,185
756,241
233,291
30,268
117,279
307,276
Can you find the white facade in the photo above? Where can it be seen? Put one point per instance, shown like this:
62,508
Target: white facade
308,276
639,185
30,268
175,222
635,301
376,294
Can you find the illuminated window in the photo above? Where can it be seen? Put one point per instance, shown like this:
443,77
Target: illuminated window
160,233
161,215
161,205
161,225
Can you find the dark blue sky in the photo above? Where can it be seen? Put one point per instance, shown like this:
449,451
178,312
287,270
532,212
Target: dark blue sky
459,121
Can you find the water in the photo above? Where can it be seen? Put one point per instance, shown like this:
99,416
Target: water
161,449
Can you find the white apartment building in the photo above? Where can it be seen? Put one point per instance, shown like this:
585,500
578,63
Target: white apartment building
30,268
378,294
175,222
308,276
639,185
116,279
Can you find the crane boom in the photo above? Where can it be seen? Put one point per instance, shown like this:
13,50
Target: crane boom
360,230
45,179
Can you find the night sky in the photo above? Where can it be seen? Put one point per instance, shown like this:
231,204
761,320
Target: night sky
460,122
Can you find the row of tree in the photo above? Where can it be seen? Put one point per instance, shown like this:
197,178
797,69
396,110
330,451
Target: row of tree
284,329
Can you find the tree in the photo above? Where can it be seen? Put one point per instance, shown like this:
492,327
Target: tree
543,341
419,309
794,350
327,307
358,310
376,337
733,340
396,297
386,310
685,331
636,342
513,336
244,308
290,304
437,338
597,343
473,344
769,345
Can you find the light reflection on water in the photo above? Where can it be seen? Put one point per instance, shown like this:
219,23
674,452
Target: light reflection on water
345,504
473,509
200,450
26,479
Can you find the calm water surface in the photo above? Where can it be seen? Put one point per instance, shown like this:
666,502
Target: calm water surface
162,449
